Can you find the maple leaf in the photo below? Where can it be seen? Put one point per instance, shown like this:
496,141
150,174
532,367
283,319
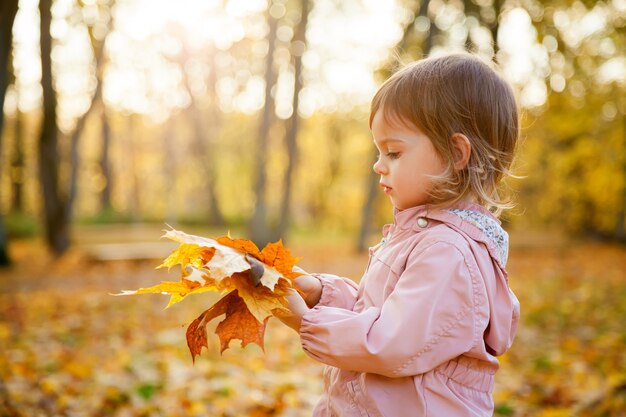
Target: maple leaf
243,245
256,281
239,323
260,301
177,290
188,254
225,260
279,257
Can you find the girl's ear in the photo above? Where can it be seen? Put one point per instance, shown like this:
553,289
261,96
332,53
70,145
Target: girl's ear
461,150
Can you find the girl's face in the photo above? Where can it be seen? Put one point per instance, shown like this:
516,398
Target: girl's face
407,159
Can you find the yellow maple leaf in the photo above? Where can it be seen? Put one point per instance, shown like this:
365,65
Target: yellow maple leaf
188,254
177,290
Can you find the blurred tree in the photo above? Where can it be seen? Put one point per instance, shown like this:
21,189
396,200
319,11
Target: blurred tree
170,167
262,227
17,172
215,119
205,134
336,131
583,156
59,202
55,208
260,231
298,46
8,10
105,160
98,31
577,139
130,167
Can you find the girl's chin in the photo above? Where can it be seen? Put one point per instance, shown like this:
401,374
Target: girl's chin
401,207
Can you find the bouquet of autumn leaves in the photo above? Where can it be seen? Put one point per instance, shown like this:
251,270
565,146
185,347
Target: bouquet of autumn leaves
255,282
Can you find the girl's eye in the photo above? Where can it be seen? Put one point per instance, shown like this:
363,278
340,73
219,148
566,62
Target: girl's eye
393,155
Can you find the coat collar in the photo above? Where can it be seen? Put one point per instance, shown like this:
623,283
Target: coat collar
472,219
405,219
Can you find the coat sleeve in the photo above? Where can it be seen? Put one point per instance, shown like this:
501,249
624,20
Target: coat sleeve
428,319
337,291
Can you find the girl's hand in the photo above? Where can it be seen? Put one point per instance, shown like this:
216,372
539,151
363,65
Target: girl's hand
297,308
310,286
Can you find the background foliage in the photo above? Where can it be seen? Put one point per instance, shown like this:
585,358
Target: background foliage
184,117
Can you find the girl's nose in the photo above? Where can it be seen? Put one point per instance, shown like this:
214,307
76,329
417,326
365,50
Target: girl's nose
379,167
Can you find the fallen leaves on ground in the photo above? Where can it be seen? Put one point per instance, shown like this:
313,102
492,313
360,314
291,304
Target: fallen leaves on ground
70,349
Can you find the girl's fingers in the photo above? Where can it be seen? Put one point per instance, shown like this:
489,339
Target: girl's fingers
300,270
297,305
311,287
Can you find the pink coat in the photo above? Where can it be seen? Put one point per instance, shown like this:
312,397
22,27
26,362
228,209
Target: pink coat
419,336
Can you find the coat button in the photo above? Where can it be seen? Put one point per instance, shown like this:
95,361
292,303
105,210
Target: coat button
422,222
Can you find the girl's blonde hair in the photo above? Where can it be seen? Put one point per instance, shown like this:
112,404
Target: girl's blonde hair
458,93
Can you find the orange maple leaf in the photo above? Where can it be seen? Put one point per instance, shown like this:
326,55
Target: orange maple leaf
244,245
276,255
259,300
238,324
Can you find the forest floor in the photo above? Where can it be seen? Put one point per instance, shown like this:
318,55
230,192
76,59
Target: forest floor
71,349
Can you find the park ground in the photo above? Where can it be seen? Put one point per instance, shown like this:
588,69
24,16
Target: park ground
69,348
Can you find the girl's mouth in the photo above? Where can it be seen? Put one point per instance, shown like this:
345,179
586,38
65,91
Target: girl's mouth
387,189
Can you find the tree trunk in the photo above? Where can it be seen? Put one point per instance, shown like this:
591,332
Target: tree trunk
134,198
429,42
18,172
205,148
495,27
205,139
8,10
58,205
471,9
55,218
215,214
216,218
98,49
259,230
18,168
620,229
319,201
105,162
368,210
298,47
170,165
75,140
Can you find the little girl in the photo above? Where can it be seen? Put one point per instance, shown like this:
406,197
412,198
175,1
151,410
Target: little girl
420,334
